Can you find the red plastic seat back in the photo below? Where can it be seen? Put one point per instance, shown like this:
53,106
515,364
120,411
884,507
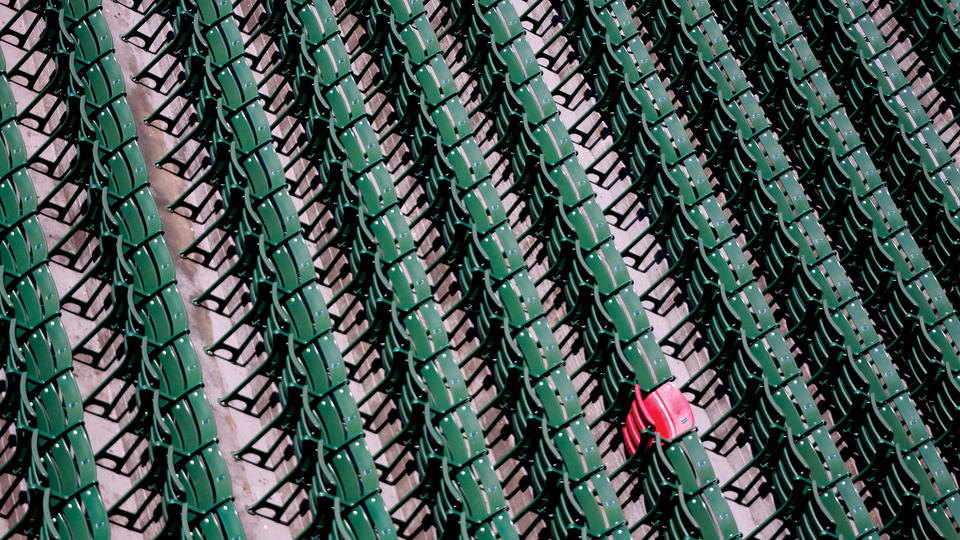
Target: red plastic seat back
632,430
668,411
628,439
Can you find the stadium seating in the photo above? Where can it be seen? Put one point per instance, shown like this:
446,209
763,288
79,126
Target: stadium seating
480,269
883,251
148,310
896,129
491,266
691,188
42,402
935,28
848,315
301,356
611,305
417,346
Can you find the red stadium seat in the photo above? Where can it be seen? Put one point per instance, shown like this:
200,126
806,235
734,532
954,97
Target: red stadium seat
665,410
668,411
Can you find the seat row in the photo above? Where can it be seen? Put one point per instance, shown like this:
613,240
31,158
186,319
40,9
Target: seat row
188,474
820,302
52,455
286,308
900,136
602,301
935,25
33,28
457,477
553,438
187,470
746,345
916,311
